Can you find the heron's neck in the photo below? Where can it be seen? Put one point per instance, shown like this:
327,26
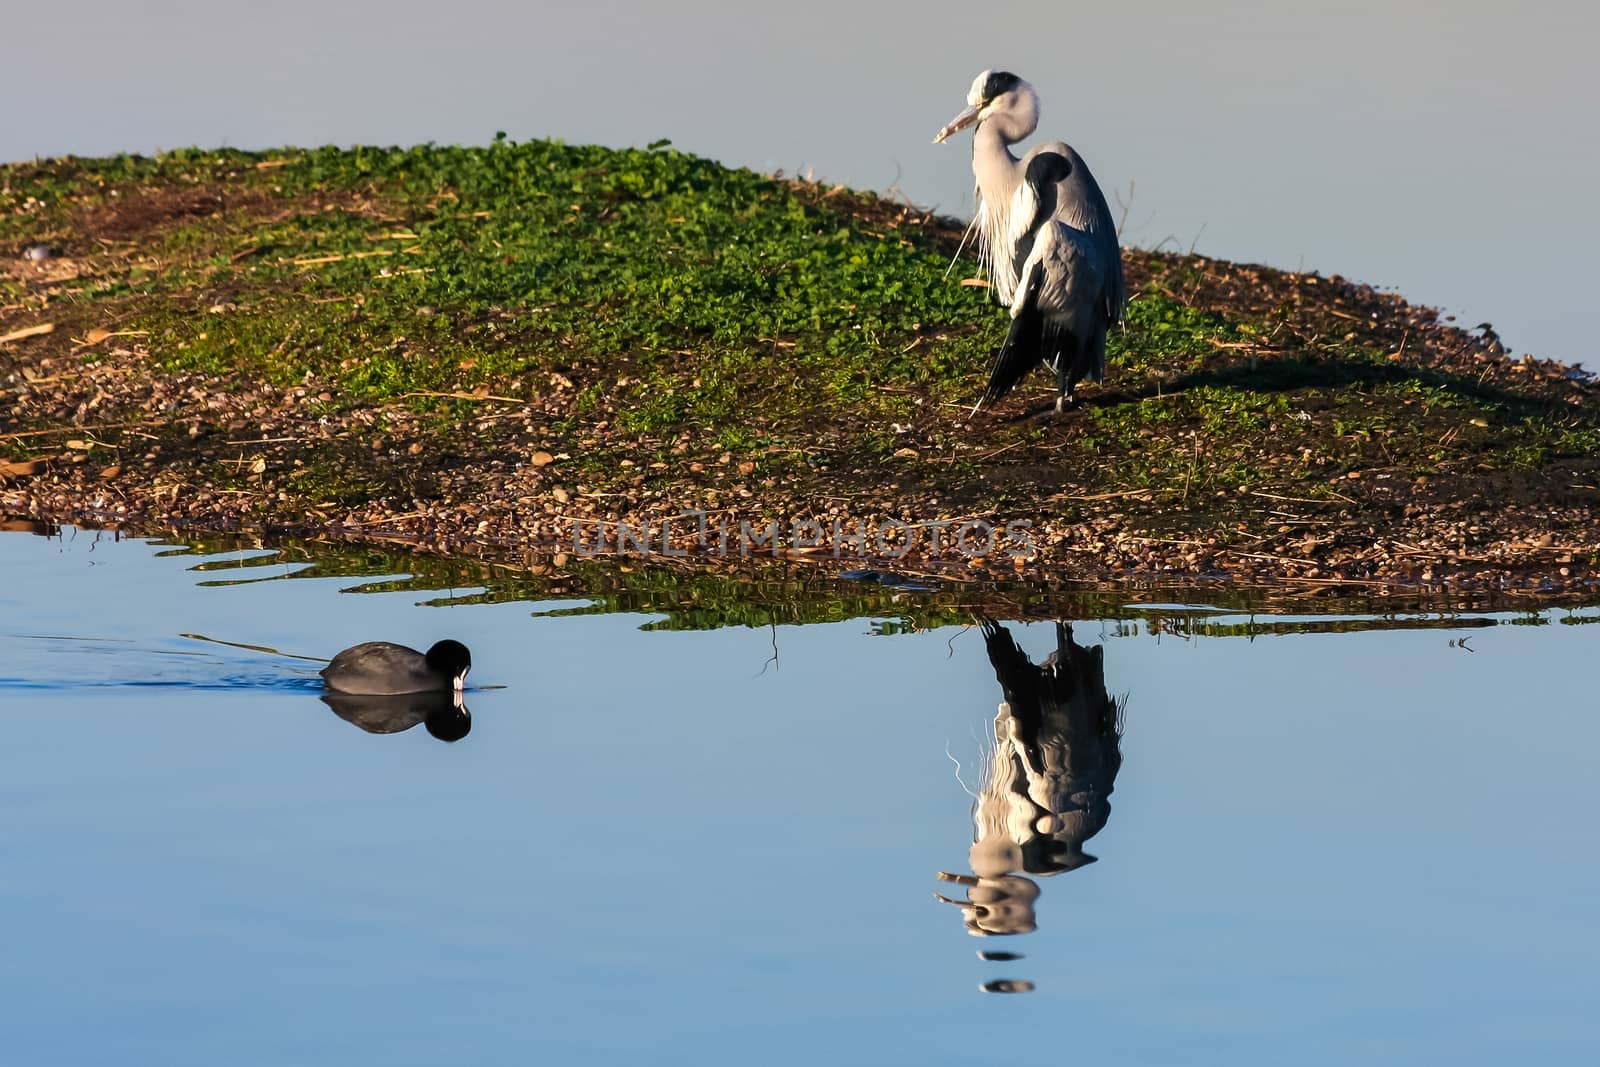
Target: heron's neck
992,162
998,175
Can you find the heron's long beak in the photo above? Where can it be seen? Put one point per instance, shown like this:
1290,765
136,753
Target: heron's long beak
960,122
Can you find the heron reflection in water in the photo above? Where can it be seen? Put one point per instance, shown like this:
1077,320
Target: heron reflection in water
1047,784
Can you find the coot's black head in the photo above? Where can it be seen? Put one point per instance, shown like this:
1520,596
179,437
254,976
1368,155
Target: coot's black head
448,723
450,659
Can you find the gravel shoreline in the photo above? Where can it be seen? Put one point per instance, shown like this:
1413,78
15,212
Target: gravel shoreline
1369,444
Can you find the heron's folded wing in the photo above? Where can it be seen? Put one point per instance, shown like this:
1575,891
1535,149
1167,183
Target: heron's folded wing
1116,292
1074,279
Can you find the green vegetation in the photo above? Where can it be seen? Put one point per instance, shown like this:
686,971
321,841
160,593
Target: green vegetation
298,338
447,269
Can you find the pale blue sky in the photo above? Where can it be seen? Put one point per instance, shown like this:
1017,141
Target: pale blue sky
1448,152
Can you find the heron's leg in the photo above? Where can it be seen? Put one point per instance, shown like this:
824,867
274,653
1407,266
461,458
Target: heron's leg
1066,381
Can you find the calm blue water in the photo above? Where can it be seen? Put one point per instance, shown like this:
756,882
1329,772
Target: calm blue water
663,847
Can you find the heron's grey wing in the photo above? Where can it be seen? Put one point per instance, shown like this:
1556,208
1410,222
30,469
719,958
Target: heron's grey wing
1072,291
1082,205
1019,353
1065,304
1114,293
1073,278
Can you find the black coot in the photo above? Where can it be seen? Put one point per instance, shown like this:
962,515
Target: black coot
379,668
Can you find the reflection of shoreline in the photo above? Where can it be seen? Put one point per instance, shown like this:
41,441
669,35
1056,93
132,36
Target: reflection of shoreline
857,540
1046,787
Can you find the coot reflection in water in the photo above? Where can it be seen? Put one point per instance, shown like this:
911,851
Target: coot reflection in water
1045,789
443,715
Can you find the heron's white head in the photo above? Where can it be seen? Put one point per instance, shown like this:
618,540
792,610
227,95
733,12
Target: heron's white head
997,94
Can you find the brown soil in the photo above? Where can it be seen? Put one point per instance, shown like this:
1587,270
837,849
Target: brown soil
111,441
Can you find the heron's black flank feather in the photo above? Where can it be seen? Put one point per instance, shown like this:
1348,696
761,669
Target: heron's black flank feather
1047,168
1020,352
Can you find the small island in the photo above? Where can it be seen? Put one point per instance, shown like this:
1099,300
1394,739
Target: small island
531,352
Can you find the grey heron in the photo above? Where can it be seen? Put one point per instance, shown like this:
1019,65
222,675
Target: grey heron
1060,311
1005,109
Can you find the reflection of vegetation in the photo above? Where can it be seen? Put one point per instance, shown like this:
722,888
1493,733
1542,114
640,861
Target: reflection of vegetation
777,593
